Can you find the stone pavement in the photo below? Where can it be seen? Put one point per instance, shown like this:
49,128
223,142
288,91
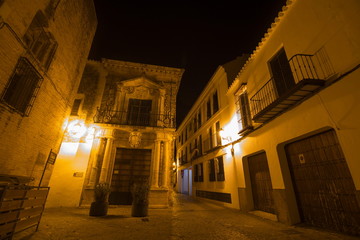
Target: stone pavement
187,219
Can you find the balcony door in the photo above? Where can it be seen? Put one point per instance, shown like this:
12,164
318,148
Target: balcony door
281,72
139,112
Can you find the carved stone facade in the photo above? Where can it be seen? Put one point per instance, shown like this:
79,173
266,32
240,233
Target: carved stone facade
131,109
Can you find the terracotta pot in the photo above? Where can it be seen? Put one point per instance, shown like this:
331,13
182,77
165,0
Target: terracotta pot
99,208
139,210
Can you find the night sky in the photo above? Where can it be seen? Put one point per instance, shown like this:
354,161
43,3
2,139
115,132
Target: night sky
195,35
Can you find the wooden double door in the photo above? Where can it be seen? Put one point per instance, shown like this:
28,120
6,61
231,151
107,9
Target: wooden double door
261,185
324,188
131,165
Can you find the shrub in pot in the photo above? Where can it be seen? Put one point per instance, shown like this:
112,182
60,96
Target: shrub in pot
140,198
101,204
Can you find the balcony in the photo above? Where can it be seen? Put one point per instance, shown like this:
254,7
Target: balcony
212,143
138,119
308,72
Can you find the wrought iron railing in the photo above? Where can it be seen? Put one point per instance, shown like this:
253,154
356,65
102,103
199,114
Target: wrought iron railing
134,119
303,67
212,142
263,98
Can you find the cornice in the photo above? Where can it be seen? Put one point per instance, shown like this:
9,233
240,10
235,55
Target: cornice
109,63
269,32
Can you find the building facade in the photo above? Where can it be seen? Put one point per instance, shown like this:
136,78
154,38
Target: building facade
200,148
293,131
43,51
124,125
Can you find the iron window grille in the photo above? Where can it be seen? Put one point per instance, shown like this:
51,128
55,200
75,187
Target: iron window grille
198,173
243,112
22,88
216,169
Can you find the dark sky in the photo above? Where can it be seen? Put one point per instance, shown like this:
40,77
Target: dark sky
195,35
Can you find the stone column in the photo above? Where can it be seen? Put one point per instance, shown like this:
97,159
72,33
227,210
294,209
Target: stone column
106,162
94,159
155,165
165,165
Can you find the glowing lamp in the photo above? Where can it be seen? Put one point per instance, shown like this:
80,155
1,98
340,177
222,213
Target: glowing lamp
224,135
76,129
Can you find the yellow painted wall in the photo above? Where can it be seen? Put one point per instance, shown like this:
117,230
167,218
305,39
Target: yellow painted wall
67,180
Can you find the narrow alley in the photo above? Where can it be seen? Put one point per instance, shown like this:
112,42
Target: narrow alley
187,219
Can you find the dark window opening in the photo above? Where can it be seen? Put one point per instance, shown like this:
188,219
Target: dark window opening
208,110
215,103
281,72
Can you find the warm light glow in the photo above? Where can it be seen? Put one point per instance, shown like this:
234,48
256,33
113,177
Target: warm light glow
90,134
230,131
76,129
68,149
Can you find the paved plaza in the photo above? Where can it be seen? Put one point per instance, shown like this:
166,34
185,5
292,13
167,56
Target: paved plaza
187,219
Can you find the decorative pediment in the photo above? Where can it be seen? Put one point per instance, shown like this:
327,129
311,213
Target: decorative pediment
141,81
141,87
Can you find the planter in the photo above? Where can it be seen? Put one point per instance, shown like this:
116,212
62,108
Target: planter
139,210
99,208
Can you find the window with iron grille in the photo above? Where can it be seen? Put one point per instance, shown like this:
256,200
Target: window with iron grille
198,173
139,112
40,43
219,167
243,111
212,175
21,90
216,169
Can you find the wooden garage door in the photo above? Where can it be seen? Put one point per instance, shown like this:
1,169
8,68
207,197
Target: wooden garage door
261,183
323,185
130,166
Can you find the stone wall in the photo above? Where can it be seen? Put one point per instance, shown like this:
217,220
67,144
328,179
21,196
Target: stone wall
26,141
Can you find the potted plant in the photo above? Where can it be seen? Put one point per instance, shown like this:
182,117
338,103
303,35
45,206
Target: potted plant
140,198
101,204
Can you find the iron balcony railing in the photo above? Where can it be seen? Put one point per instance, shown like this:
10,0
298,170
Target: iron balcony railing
134,119
212,142
303,68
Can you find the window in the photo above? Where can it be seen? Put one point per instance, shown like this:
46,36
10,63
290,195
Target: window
281,72
198,173
200,145
218,137
40,43
208,109
139,112
212,176
75,107
243,110
219,168
199,120
216,169
212,105
215,103
20,93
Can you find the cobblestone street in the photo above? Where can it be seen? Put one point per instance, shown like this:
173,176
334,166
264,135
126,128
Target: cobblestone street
187,219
